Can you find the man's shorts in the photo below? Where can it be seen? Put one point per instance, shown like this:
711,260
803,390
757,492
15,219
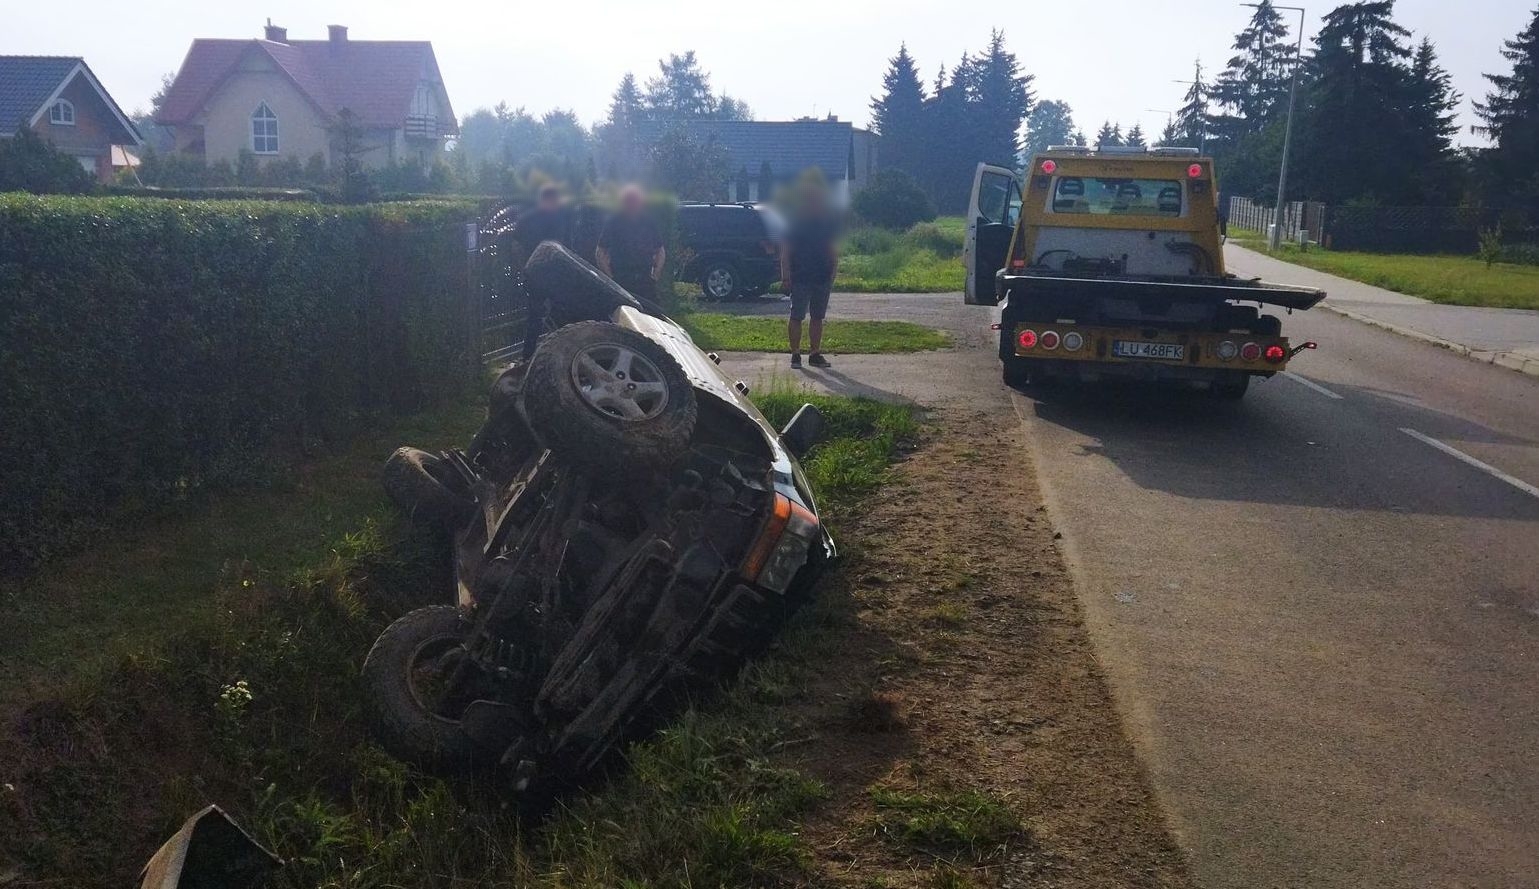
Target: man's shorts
806,297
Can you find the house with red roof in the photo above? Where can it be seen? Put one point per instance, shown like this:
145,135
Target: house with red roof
60,99
384,100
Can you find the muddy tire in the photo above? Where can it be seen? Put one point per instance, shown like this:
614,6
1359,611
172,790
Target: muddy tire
426,488
609,399
574,290
401,722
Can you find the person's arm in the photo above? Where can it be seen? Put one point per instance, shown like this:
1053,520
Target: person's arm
658,258
601,256
785,266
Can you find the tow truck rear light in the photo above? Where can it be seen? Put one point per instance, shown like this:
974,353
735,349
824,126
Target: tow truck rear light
1049,167
1250,351
1275,354
1073,341
1027,339
1194,171
1227,350
1050,339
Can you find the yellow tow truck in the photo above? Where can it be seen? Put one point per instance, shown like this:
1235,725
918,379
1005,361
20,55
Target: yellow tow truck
1110,264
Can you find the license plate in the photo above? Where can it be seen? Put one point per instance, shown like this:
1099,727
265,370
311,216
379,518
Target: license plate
1140,349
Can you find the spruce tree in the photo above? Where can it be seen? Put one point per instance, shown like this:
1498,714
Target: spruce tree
898,114
1255,84
1510,113
1192,120
1110,135
1000,97
1051,123
1135,137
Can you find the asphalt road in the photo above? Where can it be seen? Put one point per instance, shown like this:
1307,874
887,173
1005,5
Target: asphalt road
1319,608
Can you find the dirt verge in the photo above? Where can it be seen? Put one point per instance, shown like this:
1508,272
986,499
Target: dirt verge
966,680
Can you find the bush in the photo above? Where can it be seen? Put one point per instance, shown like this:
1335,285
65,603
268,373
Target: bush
893,200
870,240
27,163
154,348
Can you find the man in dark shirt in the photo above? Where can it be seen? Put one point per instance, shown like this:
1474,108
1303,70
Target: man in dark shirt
808,261
550,220
630,249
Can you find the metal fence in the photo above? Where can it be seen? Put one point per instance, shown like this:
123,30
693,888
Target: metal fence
496,298
1301,220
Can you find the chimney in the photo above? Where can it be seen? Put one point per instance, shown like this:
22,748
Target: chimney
337,34
275,34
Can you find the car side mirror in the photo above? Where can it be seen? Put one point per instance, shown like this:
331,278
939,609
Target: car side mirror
804,430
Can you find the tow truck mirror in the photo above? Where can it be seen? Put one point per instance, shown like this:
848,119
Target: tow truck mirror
804,430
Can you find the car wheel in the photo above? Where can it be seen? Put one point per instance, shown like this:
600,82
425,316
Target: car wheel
413,715
721,282
609,399
575,290
1231,386
426,487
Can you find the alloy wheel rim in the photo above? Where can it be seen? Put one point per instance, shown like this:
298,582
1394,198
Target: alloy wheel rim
619,382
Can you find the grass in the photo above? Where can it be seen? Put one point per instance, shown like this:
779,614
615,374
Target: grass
141,583
953,825
925,259
1455,280
755,333
247,695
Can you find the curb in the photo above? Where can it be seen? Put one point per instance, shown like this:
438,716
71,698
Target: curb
1509,360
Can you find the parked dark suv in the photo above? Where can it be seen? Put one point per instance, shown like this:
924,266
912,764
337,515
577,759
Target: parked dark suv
732,250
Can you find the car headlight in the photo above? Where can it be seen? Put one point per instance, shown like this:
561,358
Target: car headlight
782,546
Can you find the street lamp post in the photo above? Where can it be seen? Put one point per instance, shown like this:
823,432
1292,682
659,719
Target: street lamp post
1275,239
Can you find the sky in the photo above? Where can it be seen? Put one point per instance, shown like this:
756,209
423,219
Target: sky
1109,59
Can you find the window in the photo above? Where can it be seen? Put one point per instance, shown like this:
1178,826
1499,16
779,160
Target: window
62,113
999,199
1118,196
264,130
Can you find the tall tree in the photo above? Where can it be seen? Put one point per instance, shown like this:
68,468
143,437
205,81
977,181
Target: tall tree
729,108
1170,135
1255,84
1001,98
1192,119
1110,135
1135,137
681,88
1510,115
950,153
1431,107
898,114
1051,123
1355,127
618,137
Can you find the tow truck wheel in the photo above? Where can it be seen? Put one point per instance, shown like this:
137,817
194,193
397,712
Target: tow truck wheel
1231,388
1017,374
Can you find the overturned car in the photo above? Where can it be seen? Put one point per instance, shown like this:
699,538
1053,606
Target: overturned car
628,529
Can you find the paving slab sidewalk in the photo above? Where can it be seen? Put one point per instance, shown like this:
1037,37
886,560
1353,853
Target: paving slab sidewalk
1505,337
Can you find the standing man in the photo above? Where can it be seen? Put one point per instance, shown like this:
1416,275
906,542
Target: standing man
808,261
550,220
630,249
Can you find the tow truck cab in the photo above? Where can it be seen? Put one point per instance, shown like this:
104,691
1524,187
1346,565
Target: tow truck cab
1110,264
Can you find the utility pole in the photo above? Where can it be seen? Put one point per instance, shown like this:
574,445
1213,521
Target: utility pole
1275,239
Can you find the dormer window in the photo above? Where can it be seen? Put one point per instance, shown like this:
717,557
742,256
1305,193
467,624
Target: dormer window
62,113
264,130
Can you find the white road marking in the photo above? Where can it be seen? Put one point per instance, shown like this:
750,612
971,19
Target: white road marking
1311,384
1481,465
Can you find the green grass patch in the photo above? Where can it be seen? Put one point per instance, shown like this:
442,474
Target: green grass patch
247,695
756,333
1455,280
964,824
925,259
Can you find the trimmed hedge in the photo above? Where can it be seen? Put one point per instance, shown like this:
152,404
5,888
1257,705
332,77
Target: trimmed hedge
150,349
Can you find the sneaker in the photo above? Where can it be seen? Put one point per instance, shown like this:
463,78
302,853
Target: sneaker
817,360
796,361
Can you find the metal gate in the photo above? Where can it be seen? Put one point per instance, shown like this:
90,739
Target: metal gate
497,285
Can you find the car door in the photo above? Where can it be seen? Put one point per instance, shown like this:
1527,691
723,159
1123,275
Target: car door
992,212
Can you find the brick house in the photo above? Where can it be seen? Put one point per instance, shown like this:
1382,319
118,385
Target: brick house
59,99
282,98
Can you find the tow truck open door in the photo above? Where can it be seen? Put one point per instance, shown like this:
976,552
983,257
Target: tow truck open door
991,216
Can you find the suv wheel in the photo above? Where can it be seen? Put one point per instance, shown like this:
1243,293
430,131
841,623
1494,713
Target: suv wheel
721,281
